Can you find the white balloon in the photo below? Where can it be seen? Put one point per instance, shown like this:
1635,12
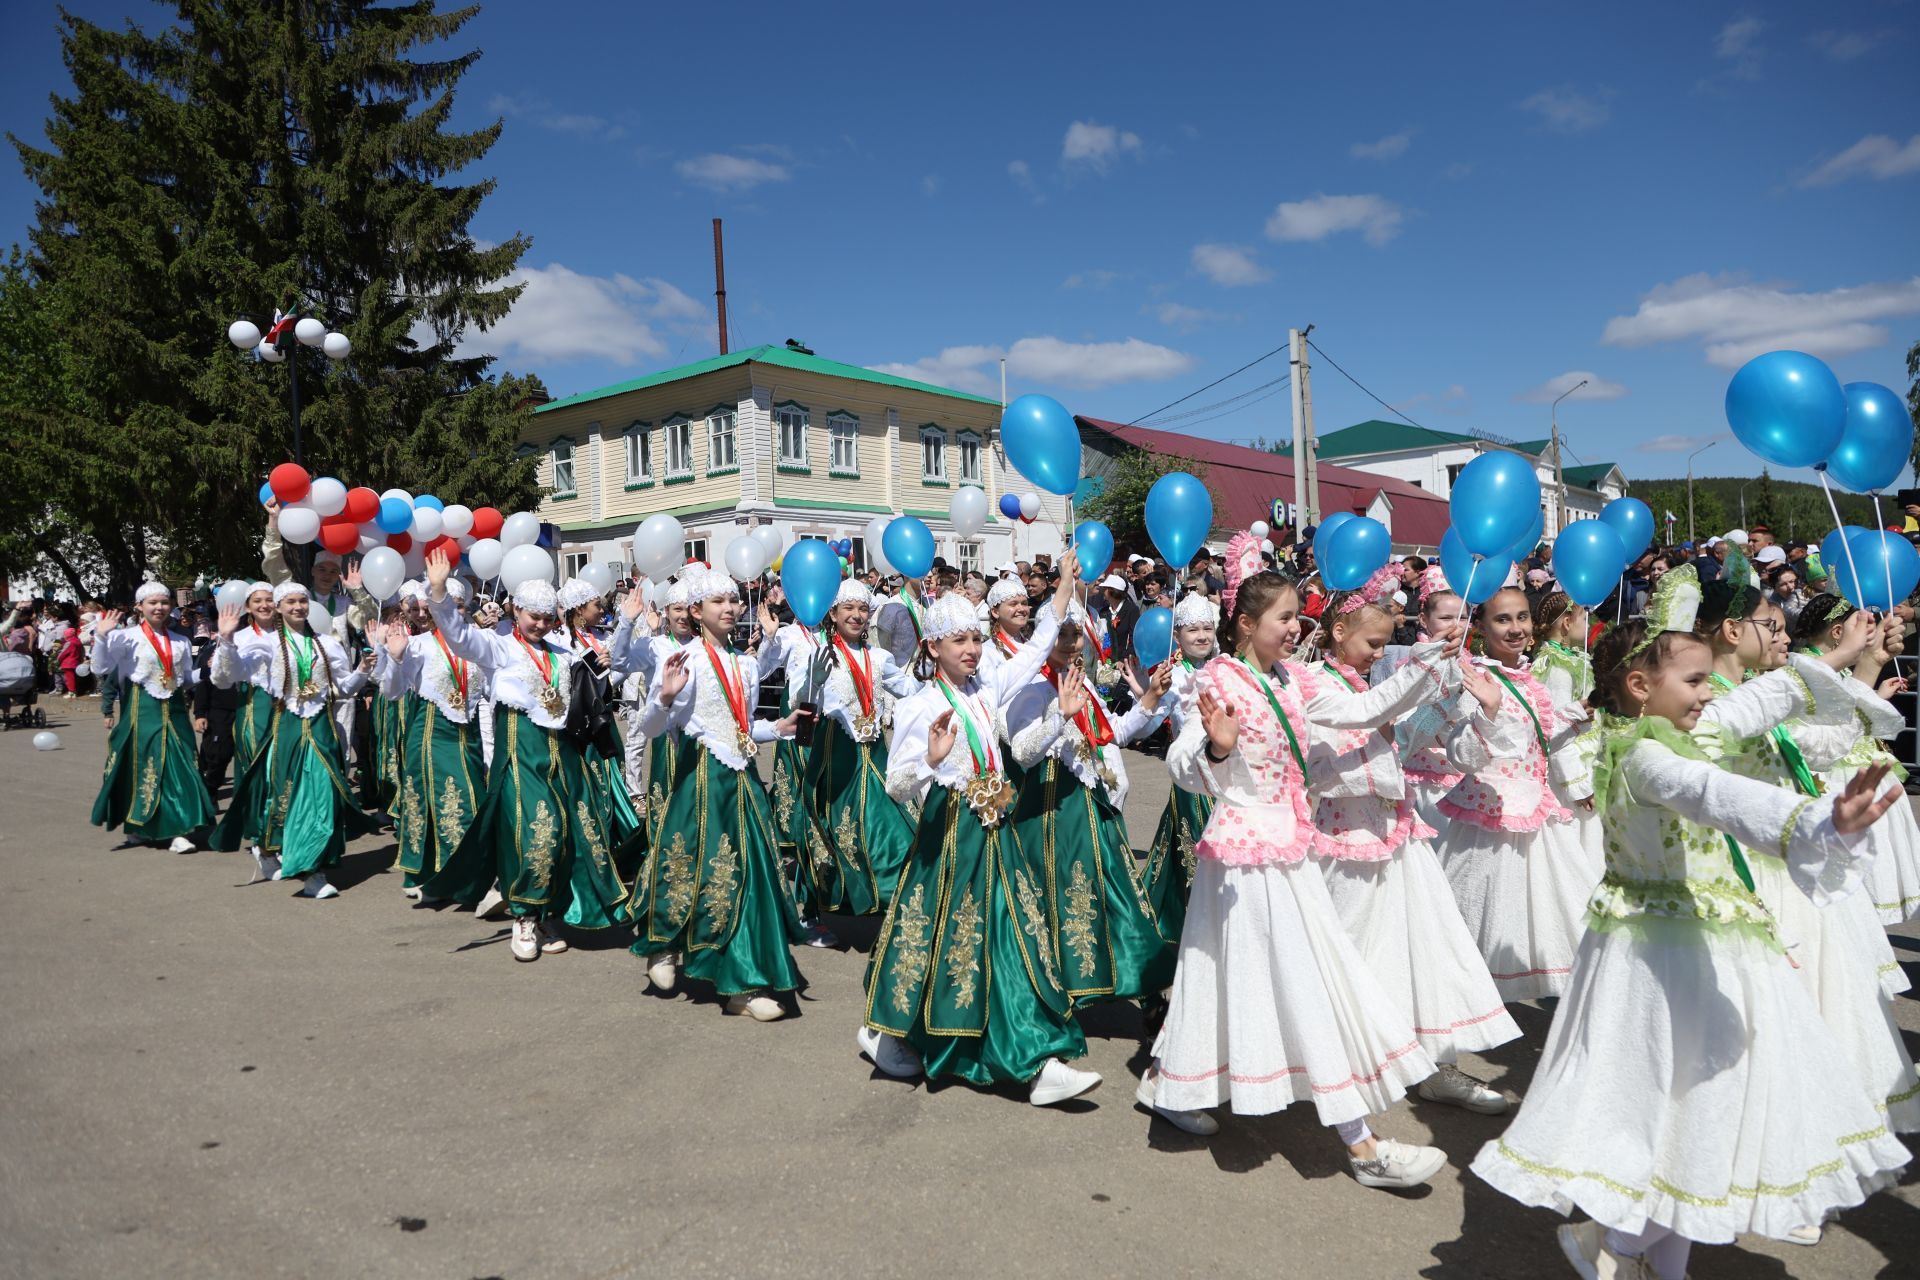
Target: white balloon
522,529
525,564
426,524
1030,505
299,525
1266,545
659,574
401,494
232,595
244,334
769,537
598,576
456,521
328,496
270,353
968,510
659,546
484,557
745,558
84,670
319,619
466,541
414,560
1258,529
310,331
337,346
381,572
46,740
368,541
875,531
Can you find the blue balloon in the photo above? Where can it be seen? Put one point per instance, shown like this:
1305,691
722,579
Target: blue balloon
1632,520
1324,532
1588,559
1010,505
1889,569
1179,517
430,502
1153,637
810,575
907,545
266,492
1876,442
1787,407
395,516
1354,552
1833,557
1094,541
1494,499
1042,442
1528,542
1471,580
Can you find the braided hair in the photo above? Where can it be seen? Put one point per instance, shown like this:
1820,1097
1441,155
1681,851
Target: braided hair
289,666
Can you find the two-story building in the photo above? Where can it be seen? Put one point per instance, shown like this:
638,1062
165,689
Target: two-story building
773,436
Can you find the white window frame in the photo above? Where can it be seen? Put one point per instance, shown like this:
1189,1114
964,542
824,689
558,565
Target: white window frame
572,562
679,428
637,440
938,437
786,415
717,436
572,487
969,556
694,549
859,559
843,428
969,443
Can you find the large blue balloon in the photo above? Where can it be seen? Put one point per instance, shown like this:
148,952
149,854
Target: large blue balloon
1094,541
908,546
1833,557
1787,407
1588,559
1494,499
1179,517
1877,441
810,575
1632,520
1323,534
1354,552
394,516
1889,569
266,492
1010,505
1042,442
1471,580
1153,637
1529,542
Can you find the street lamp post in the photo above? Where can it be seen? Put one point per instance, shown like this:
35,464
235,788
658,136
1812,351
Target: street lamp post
1690,457
284,339
1743,504
1559,473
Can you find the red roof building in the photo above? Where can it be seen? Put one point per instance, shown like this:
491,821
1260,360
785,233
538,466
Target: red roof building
1248,483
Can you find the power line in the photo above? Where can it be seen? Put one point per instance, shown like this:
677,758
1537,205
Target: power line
1221,404
1356,382
1216,382
1237,408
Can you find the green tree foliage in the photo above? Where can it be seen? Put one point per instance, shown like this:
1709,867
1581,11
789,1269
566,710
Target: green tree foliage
1799,510
1761,508
250,157
1122,503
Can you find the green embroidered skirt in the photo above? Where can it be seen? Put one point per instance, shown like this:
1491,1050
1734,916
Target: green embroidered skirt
1105,936
442,781
252,730
152,784
710,887
535,834
858,838
299,780
607,779
1169,872
789,808
381,778
964,969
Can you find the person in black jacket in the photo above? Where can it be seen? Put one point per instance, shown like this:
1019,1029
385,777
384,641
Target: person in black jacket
213,712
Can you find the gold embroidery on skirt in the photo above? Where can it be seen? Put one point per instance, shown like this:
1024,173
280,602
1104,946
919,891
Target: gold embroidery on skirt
1184,836
656,803
1078,929
149,786
545,838
911,955
451,816
782,793
411,811
963,949
847,834
822,856
592,831
723,883
1033,923
678,873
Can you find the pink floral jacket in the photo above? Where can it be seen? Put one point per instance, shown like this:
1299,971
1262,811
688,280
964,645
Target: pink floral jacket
1506,784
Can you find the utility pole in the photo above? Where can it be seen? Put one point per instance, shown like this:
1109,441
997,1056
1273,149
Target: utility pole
1304,374
1559,472
720,283
1306,481
1690,457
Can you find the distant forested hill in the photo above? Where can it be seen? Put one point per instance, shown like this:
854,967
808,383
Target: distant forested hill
1790,508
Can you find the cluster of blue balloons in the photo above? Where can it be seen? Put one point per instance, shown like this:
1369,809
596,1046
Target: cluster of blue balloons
1874,568
1349,549
1787,407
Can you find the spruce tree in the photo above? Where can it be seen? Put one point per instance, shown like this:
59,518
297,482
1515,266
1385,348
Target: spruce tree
254,155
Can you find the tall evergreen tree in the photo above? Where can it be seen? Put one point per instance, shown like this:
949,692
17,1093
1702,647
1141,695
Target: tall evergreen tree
253,156
1763,502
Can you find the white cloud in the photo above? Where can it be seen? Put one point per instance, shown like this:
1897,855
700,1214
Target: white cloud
1229,264
1320,216
1046,360
1455,400
1597,388
731,173
543,113
1022,174
1843,46
1184,318
1736,320
1680,444
1567,110
1096,145
563,316
1098,278
1739,45
1874,156
1391,147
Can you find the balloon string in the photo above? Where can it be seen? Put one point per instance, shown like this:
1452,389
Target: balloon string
1886,557
1846,544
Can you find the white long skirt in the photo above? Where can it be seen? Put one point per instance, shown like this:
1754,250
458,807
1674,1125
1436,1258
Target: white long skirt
1893,877
1523,895
1272,1004
1841,968
1691,1084
1426,797
1401,916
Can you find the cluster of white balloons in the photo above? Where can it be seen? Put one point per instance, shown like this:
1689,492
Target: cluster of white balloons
748,555
1260,530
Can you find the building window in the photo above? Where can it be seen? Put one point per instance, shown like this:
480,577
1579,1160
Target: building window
572,562
933,456
679,449
969,457
843,444
562,454
696,549
969,557
639,442
720,454
790,420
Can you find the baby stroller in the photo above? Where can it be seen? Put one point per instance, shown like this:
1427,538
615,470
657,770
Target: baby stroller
17,690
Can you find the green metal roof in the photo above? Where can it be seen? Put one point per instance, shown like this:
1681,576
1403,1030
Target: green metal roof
1376,436
1587,477
784,357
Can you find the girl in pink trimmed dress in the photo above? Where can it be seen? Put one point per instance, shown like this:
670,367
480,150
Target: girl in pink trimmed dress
1272,1003
1422,734
1384,878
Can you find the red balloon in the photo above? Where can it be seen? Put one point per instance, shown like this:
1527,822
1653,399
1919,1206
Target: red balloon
487,522
289,482
450,547
339,535
363,504
401,542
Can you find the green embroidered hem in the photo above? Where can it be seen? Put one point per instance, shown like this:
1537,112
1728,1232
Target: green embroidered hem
1170,862
443,778
857,837
151,784
383,775
789,809
310,809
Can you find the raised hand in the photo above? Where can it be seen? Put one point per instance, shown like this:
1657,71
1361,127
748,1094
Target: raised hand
111,620
397,640
1222,725
230,616
631,604
351,578
1860,805
653,620
768,623
1855,633
1073,694
940,738
1455,637
674,675
1158,686
1482,686
439,569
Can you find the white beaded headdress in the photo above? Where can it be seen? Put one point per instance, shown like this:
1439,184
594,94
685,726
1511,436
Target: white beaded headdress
711,584
286,589
853,591
1195,610
951,615
1004,590
536,595
573,593
148,590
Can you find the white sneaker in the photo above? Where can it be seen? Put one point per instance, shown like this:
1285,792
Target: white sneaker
491,907
664,970
1585,1246
551,943
180,845
260,865
1058,1082
271,865
818,935
526,940
317,887
759,1005
410,892
1197,1123
1397,1164
1452,1087
1805,1235
888,1053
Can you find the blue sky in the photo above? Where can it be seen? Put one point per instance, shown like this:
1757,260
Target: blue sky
1474,211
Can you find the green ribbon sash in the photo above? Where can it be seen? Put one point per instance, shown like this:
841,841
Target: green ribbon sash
1272,701
1539,734
1783,742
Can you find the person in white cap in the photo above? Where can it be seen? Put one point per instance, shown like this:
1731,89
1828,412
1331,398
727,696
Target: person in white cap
150,786
256,642
643,640
534,837
711,900
311,813
1168,874
796,648
964,980
1008,613
581,611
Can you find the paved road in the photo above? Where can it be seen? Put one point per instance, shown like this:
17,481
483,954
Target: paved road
207,1080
